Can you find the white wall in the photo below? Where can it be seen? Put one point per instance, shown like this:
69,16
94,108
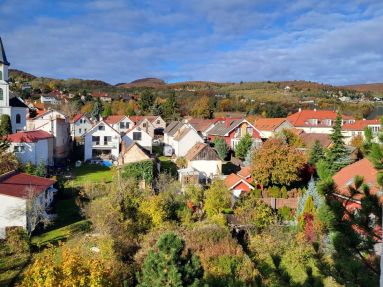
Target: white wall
23,116
79,129
207,167
35,152
11,213
126,121
182,146
145,142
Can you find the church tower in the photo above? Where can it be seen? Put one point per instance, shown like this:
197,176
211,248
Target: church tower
4,86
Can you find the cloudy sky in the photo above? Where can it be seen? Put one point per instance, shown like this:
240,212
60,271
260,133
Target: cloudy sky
336,42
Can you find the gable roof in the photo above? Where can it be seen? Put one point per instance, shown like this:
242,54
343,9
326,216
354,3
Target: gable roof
29,136
173,127
114,119
345,177
360,125
21,184
201,125
269,124
310,138
233,180
245,172
137,119
102,122
3,57
221,128
16,102
126,149
181,133
202,151
47,112
78,117
300,118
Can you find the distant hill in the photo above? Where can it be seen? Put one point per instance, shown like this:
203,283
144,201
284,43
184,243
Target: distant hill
17,74
145,82
375,87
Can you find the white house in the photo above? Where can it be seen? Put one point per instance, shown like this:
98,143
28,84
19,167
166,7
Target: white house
317,121
79,125
120,123
139,136
56,124
151,124
102,142
50,99
203,158
184,139
24,198
269,127
10,105
32,146
349,131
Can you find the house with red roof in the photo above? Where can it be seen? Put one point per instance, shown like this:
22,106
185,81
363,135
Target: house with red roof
351,130
32,146
238,184
120,123
269,127
316,121
24,199
104,97
79,125
232,130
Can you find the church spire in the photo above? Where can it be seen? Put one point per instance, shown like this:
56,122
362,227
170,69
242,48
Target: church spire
3,57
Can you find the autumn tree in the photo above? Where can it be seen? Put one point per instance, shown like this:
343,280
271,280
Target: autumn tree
277,163
217,198
221,147
171,265
202,108
243,146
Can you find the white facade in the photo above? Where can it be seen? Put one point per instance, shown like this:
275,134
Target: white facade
140,137
57,125
183,143
46,99
159,123
207,168
80,127
123,125
102,142
13,211
34,152
146,126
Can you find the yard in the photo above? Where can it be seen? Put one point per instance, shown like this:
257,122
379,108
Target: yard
91,173
10,265
168,166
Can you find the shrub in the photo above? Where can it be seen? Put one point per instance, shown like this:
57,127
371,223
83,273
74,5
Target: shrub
181,162
140,170
285,213
284,192
17,241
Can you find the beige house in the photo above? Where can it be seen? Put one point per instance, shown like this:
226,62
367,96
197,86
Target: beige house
132,153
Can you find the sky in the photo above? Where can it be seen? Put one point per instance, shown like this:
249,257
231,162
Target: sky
328,41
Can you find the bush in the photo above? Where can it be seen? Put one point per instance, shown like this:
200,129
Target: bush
181,162
285,213
17,241
140,170
256,193
274,191
284,192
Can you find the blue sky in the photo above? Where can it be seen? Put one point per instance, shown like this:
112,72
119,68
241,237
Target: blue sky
335,42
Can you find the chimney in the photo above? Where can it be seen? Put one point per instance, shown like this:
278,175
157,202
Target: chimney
299,110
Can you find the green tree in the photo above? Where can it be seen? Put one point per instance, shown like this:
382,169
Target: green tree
367,143
5,125
107,111
146,101
338,155
243,147
316,153
41,169
171,265
96,110
217,198
250,152
171,108
221,147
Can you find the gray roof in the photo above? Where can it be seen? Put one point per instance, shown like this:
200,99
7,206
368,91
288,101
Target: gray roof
220,129
3,57
173,127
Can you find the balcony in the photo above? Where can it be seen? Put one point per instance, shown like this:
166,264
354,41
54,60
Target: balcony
104,144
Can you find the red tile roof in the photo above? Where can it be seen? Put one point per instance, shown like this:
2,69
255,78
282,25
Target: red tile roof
200,125
100,95
245,172
360,125
232,180
137,119
268,124
345,177
21,184
76,118
29,137
300,119
114,119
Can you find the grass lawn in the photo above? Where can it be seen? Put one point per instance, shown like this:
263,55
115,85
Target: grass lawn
55,235
91,173
167,165
10,266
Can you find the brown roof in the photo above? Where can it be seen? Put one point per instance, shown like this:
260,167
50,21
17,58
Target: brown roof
210,153
245,172
20,184
310,138
200,125
29,137
345,177
137,119
268,124
114,119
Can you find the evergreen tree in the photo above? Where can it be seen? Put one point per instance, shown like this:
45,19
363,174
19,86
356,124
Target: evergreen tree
171,108
316,153
221,147
169,266
96,110
146,101
367,143
5,125
338,155
243,147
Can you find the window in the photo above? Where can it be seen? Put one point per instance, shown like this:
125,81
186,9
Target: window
96,140
19,148
144,125
85,130
137,136
1,94
1,75
249,130
18,119
79,130
158,122
101,128
124,125
107,139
